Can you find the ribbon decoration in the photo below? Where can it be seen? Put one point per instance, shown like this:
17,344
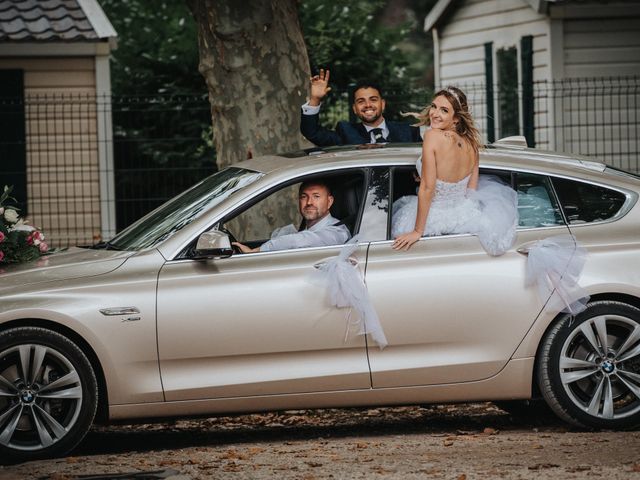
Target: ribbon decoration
554,266
346,289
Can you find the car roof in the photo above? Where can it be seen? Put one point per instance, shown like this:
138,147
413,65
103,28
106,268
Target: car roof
498,156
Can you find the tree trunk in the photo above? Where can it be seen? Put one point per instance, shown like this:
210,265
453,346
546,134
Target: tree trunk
254,61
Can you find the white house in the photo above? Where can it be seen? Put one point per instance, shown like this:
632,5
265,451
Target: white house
55,116
564,73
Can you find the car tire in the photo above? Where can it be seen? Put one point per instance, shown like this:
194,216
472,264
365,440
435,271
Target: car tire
48,394
589,367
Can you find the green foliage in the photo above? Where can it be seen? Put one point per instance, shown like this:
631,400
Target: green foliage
157,48
344,36
349,38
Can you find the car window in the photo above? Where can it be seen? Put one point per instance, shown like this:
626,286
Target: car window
376,206
256,224
182,210
537,205
278,214
583,202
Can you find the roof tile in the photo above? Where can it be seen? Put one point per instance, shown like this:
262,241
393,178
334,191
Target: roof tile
44,20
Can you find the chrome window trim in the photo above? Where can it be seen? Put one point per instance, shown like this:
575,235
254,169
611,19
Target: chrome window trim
249,255
631,196
267,188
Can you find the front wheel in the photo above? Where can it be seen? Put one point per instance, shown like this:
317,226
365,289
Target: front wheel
48,394
589,367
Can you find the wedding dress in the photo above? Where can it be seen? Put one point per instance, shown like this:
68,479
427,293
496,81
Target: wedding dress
490,212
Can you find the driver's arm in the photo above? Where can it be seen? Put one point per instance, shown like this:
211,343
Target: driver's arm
244,249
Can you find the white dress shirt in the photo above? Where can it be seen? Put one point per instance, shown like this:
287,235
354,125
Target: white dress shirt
325,232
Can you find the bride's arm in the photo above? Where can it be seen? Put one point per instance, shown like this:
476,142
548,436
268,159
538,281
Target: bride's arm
425,192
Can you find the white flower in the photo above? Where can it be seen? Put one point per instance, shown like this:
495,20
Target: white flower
10,215
1,210
22,227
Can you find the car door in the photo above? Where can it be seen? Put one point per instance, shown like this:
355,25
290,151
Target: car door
254,324
452,313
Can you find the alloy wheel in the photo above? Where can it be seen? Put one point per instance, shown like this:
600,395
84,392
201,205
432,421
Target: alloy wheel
600,367
41,397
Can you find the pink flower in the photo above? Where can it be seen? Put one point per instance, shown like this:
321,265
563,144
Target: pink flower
2,237
43,247
1,255
30,239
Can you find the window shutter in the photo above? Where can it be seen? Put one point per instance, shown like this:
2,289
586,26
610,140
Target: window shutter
526,61
488,75
13,153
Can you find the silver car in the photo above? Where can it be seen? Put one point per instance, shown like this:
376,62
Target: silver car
166,320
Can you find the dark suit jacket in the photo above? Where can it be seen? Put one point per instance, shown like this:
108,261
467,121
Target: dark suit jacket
348,133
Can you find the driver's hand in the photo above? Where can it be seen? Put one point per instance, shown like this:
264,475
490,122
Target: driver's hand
244,249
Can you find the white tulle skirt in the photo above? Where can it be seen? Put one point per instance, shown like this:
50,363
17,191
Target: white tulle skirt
490,212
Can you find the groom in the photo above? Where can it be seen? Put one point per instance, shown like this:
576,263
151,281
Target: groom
368,105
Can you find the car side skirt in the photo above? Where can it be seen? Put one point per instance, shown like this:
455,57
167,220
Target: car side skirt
513,382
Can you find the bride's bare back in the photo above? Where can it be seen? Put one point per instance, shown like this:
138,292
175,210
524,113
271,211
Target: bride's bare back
454,157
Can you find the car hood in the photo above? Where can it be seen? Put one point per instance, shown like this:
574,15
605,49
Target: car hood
72,263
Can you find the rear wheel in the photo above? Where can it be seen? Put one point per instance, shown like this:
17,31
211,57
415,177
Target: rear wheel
48,393
589,367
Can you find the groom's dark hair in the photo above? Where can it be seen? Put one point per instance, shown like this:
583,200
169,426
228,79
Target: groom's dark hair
365,84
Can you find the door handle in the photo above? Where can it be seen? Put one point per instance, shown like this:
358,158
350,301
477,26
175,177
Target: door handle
525,247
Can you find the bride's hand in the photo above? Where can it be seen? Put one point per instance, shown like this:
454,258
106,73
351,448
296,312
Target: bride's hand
404,241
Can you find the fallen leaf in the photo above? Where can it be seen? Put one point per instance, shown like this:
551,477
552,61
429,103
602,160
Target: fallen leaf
540,466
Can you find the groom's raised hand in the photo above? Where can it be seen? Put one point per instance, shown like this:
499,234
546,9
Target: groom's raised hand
319,87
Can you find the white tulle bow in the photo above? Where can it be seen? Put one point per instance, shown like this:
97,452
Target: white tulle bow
346,289
554,266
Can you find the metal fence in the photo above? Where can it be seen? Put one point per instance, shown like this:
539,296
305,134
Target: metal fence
85,167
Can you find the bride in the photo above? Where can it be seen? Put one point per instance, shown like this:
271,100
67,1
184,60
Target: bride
452,197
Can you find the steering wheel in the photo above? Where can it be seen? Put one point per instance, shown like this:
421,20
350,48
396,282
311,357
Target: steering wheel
232,238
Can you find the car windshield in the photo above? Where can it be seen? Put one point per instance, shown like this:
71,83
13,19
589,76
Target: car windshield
181,210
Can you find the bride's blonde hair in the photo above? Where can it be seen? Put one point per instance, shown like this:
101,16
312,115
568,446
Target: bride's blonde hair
465,127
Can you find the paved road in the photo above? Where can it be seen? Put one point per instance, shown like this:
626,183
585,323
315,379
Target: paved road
477,441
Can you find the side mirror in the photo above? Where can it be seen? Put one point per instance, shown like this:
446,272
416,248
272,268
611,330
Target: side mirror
213,244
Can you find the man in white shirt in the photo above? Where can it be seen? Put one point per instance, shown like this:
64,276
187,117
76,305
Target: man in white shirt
320,228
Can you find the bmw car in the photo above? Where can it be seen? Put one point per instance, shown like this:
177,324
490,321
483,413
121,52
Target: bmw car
167,320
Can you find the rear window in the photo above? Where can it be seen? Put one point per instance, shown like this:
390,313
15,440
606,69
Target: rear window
586,203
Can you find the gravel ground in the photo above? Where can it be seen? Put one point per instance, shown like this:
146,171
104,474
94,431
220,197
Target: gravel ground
477,441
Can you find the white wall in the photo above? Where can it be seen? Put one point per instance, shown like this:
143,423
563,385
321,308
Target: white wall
476,22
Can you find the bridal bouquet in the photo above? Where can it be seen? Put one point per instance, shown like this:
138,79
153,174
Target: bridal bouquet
19,242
